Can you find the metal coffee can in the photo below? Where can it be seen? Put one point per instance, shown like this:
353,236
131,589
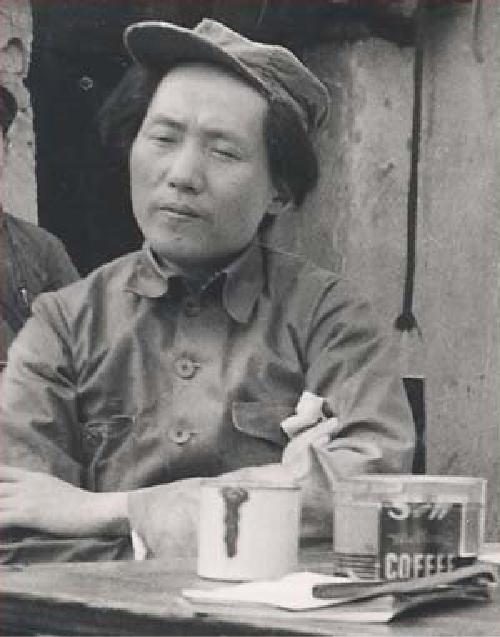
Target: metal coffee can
392,527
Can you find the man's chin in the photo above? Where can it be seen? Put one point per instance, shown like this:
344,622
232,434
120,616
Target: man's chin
174,254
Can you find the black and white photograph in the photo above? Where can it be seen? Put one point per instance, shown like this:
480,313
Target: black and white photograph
250,335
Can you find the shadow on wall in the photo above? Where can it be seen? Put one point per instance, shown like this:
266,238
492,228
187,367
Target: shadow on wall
415,391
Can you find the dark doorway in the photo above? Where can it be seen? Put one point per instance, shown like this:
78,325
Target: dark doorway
76,58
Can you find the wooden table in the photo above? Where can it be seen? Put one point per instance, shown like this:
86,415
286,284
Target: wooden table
143,598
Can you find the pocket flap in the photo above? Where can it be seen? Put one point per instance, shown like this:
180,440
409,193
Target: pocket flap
110,427
262,420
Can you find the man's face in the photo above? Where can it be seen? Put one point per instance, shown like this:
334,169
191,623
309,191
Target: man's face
199,175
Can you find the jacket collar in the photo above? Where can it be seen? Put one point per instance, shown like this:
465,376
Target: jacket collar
243,280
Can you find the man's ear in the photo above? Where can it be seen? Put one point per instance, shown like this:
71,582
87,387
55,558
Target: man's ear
281,202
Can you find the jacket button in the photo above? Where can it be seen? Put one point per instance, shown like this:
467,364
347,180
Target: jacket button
185,367
179,436
191,306
92,436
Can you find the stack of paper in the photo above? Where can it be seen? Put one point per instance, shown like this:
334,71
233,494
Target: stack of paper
356,601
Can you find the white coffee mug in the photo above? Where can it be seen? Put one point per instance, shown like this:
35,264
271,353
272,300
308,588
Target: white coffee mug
248,530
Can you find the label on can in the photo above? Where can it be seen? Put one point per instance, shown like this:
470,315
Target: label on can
418,539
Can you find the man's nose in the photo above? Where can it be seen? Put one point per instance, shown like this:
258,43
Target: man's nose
185,169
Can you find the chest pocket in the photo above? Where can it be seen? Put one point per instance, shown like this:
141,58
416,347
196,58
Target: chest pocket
261,438
108,451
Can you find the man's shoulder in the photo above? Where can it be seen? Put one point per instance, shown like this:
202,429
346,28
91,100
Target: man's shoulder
296,283
29,231
40,256
290,269
103,284
110,276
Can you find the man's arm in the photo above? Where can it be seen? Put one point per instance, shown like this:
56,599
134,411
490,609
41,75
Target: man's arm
41,475
46,503
353,364
38,402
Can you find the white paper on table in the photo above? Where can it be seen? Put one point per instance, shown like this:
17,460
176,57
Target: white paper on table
292,592
490,555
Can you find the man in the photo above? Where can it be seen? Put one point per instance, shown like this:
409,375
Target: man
183,359
32,260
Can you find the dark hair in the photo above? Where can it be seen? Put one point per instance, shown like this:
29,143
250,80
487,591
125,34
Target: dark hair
123,112
293,162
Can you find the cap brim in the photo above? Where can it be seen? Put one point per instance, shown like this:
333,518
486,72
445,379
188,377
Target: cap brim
162,45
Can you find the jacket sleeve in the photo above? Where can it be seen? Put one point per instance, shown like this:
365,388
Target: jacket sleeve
39,421
39,431
18,546
354,366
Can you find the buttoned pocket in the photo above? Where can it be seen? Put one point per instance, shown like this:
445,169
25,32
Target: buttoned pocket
262,420
107,447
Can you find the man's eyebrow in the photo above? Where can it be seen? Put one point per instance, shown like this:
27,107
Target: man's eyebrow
166,121
215,132
209,131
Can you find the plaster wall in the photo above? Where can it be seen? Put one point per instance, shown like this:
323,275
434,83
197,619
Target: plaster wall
18,181
357,219
459,254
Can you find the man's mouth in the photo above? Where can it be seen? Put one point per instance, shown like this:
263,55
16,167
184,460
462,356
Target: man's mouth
179,210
